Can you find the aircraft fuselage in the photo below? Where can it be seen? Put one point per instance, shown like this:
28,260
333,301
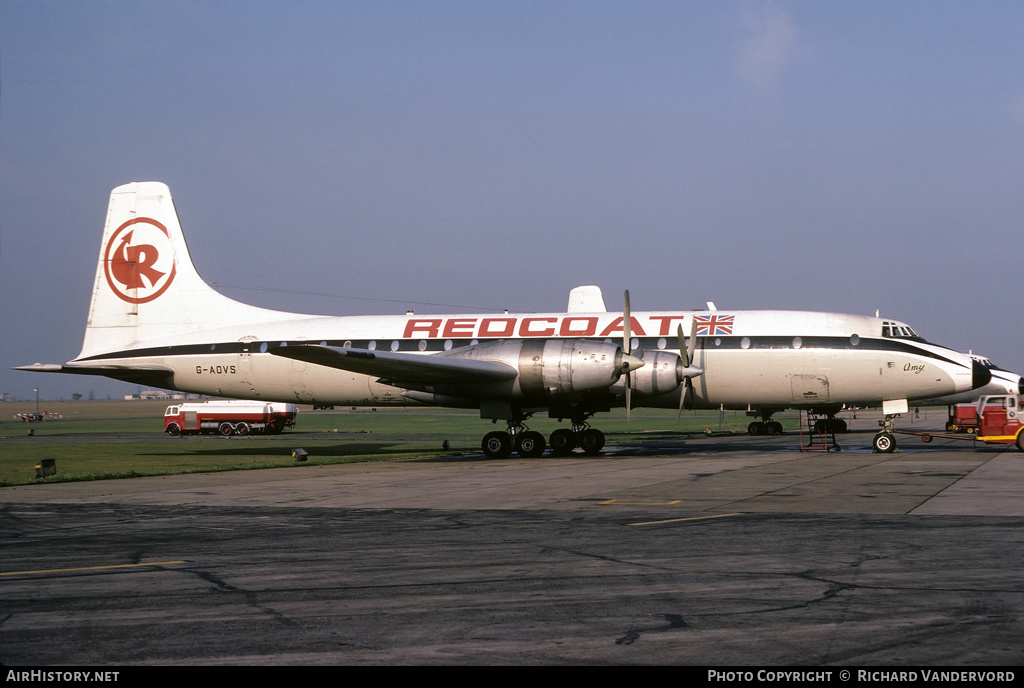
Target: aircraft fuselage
788,359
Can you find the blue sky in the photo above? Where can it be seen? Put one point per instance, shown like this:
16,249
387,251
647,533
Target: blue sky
369,157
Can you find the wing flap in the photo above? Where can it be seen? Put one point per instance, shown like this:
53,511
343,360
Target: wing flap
401,367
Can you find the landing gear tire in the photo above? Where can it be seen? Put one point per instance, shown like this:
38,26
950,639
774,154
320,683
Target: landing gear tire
173,430
884,443
592,441
562,441
755,428
530,444
497,445
774,427
225,429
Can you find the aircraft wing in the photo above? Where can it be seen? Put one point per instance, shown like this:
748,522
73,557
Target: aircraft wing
406,368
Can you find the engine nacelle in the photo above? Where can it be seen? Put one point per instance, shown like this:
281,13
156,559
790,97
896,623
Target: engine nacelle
662,373
546,368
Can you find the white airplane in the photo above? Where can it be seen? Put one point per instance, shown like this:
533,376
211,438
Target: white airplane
154,321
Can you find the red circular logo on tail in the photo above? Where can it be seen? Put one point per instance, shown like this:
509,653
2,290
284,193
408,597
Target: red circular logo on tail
138,260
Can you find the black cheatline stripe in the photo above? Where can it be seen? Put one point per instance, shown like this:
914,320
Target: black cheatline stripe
436,345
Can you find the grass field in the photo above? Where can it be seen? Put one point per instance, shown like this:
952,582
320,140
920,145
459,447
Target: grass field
99,440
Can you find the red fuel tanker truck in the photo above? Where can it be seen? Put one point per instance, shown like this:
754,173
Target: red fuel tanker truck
229,418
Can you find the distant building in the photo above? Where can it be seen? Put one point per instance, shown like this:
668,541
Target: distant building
160,395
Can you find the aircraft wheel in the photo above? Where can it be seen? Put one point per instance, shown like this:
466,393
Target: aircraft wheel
592,441
884,443
497,445
242,429
225,429
563,441
173,430
774,428
531,445
755,429
841,425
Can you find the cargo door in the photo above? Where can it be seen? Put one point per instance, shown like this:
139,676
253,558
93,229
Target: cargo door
809,389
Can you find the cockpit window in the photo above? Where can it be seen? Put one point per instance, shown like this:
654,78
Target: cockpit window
895,330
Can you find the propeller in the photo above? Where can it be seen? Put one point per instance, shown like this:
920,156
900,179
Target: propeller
627,341
690,371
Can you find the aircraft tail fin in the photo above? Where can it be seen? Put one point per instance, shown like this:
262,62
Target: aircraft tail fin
146,287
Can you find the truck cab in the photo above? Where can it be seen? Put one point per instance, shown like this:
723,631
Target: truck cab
1000,420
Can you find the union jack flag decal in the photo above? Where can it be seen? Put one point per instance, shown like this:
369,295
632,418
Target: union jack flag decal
709,325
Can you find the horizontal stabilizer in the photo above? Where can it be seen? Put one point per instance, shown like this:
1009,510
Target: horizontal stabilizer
151,376
401,367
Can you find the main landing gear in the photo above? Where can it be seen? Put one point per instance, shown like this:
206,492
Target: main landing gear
564,440
766,427
530,444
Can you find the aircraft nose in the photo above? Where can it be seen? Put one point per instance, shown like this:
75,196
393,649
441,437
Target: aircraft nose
980,375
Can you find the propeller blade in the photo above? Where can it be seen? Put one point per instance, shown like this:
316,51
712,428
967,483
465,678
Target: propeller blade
691,346
629,404
627,338
627,320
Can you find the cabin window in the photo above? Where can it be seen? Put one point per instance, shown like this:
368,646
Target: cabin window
372,346
745,343
422,346
797,342
662,343
394,345
854,340
447,345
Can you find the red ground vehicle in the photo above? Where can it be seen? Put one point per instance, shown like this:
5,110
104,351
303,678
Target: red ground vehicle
1000,421
963,418
229,418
